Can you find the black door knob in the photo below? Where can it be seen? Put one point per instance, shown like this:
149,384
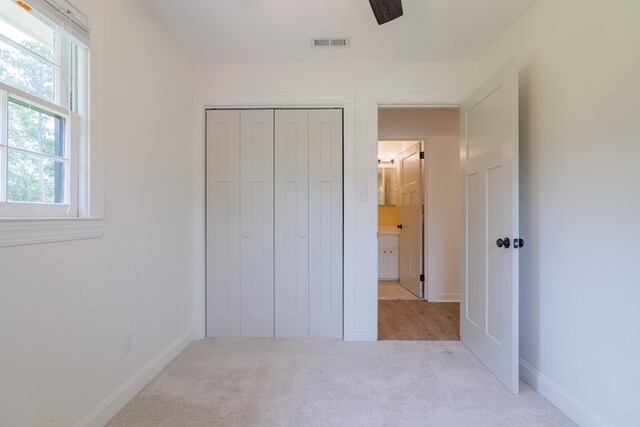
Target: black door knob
506,243
399,226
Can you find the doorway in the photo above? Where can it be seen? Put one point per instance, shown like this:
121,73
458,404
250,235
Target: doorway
418,224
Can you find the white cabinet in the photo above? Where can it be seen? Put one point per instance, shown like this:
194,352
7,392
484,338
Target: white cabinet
388,257
393,272
274,223
388,264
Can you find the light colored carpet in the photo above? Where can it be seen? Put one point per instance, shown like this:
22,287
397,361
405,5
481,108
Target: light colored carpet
394,290
272,382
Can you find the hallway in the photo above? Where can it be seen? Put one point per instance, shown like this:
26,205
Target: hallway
408,318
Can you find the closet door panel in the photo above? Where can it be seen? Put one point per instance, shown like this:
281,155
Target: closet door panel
256,223
325,223
291,224
223,223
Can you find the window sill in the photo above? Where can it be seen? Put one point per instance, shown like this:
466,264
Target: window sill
16,232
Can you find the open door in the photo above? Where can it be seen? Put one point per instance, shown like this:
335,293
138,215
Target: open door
410,189
490,239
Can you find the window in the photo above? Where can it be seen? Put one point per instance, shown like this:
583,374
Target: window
40,63
45,168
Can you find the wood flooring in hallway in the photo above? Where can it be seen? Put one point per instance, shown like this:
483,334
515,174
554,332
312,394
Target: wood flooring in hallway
418,320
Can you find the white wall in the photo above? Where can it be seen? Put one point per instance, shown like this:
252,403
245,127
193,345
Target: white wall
440,128
580,210
64,307
368,83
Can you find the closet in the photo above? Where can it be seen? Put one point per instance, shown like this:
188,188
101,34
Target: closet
274,223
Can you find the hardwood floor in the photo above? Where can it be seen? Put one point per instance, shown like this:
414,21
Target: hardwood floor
418,320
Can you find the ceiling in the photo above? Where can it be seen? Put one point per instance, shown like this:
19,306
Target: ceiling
392,149
281,30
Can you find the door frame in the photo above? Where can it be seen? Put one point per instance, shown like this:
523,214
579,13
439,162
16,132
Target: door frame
203,102
404,100
424,195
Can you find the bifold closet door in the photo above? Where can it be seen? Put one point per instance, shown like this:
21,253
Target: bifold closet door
223,223
274,223
325,223
308,233
256,223
240,223
292,224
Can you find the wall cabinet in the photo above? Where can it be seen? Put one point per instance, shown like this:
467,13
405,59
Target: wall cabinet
274,223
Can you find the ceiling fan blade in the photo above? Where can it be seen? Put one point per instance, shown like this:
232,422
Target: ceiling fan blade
386,10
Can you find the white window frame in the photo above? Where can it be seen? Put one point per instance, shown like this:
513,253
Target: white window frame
82,217
72,144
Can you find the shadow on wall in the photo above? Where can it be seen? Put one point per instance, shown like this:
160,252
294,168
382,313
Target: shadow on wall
529,257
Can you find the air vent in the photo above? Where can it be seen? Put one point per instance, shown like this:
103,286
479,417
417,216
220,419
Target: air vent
331,42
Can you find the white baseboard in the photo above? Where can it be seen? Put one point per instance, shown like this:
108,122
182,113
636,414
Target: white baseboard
445,298
580,413
119,398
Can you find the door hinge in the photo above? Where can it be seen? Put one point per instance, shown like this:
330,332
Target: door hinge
422,278
422,154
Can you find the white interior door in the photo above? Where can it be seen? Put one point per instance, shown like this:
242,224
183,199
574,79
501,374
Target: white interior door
410,188
292,224
256,223
325,223
223,223
489,164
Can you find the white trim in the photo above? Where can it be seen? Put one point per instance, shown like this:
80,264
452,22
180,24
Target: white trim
570,405
45,156
199,230
108,408
71,170
4,144
28,52
349,296
247,100
94,158
35,101
398,100
202,101
418,99
32,210
445,298
15,232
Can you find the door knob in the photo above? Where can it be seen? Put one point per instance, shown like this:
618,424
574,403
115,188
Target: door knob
302,235
518,243
245,235
506,243
399,226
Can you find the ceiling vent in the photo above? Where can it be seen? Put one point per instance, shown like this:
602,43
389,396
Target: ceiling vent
331,42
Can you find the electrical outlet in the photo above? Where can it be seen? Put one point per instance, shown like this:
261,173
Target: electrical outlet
127,343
